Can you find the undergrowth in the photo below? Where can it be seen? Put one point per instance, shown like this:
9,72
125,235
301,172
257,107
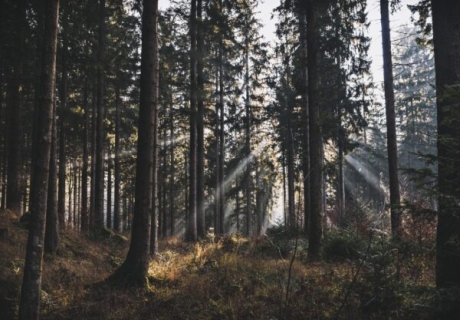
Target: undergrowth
363,277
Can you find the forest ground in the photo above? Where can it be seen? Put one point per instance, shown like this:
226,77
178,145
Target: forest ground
226,278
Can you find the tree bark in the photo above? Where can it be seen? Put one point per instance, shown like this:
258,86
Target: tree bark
62,129
84,173
29,307
222,204
116,208
135,267
14,123
201,228
316,176
390,117
99,174
446,36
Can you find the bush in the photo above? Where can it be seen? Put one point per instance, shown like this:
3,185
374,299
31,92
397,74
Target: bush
342,245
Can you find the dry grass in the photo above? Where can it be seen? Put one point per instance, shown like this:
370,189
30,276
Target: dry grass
230,278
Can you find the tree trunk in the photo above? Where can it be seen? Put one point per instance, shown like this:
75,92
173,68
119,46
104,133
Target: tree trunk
390,116
172,176
99,174
116,208
446,36
84,173
316,165
222,204
135,267
192,222
305,124
201,228
13,123
248,191
52,221
109,193
62,131
29,307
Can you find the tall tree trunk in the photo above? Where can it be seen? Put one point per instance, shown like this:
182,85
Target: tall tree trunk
446,36
62,129
290,164
116,208
248,191
192,222
305,124
316,165
52,221
14,125
135,267
390,116
222,204
172,176
99,174
201,228
93,158
340,174
84,173
29,307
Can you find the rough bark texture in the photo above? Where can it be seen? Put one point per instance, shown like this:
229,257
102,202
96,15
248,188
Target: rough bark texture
135,268
29,307
446,35
390,117
316,204
99,174
222,203
248,191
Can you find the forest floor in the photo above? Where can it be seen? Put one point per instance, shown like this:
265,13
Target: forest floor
227,278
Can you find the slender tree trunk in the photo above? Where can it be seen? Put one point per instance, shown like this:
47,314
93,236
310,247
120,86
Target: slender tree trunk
99,174
290,165
172,176
390,116
84,173
305,124
13,123
316,165
201,228
135,267
93,159
155,160
446,36
29,307
192,222
248,191
340,175
52,221
116,208
62,130
222,204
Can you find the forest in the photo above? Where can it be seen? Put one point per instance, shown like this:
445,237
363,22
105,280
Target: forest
164,159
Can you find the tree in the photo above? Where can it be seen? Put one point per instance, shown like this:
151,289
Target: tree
391,122
135,267
446,37
29,307
316,165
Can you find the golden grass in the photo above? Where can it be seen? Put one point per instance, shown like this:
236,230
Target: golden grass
229,278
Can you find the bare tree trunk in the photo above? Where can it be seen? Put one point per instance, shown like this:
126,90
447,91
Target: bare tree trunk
390,116
99,174
446,36
116,209
62,130
201,228
52,221
316,165
14,123
172,177
29,307
109,193
248,191
192,222
222,204
135,267
84,173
